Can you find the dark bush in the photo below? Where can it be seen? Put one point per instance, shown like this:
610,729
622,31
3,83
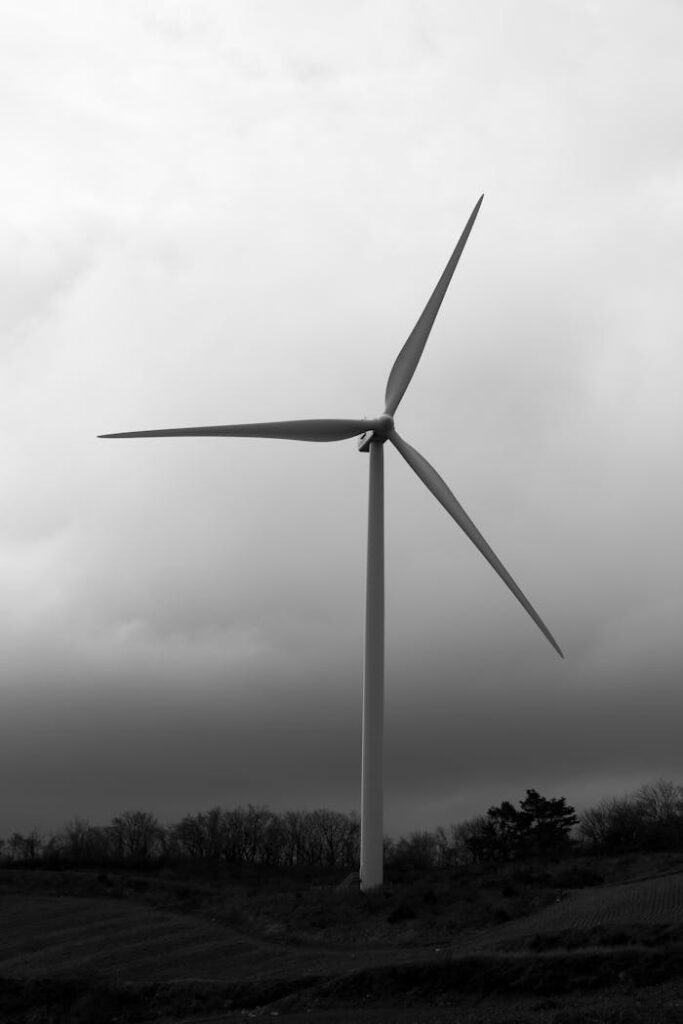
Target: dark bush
405,911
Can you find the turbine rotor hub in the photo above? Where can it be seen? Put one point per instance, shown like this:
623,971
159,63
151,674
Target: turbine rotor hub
384,427
381,431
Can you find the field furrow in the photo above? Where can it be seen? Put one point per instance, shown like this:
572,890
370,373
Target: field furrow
653,901
60,937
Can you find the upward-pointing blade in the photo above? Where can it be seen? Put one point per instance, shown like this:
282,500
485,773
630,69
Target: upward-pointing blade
292,430
406,363
442,493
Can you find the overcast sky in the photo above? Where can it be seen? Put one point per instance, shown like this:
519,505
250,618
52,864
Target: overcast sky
216,212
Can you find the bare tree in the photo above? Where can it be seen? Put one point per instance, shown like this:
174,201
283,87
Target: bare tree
80,842
24,848
295,832
136,835
189,838
329,831
419,851
614,824
464,840
660,805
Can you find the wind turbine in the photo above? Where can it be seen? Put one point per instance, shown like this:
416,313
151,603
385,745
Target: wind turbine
374,434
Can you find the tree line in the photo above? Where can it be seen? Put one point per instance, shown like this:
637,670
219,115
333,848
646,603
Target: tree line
242,835
649,819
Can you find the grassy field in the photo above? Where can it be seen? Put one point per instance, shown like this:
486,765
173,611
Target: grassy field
508,944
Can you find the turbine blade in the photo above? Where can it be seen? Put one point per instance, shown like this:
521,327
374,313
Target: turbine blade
406,363
292,430
442,493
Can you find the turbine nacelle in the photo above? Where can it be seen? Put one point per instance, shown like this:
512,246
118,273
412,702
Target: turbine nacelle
382,429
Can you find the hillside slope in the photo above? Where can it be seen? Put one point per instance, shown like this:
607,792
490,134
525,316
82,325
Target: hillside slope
626,935
630,907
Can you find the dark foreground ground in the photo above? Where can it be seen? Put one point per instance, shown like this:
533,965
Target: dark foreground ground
503,946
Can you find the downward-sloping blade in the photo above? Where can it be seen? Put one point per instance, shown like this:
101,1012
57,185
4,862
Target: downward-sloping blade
406,362
292,430
442,493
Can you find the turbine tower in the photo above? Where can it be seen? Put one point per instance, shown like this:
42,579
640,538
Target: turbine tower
375,433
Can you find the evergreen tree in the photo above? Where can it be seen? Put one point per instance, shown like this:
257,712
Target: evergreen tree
540,827
546,824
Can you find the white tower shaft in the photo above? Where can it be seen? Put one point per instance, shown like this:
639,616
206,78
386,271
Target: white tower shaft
371,814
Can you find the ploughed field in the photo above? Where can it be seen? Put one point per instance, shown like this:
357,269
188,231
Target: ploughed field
156,947
62,936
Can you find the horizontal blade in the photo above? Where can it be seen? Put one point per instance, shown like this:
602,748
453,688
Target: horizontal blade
291,430
442,493
406,363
